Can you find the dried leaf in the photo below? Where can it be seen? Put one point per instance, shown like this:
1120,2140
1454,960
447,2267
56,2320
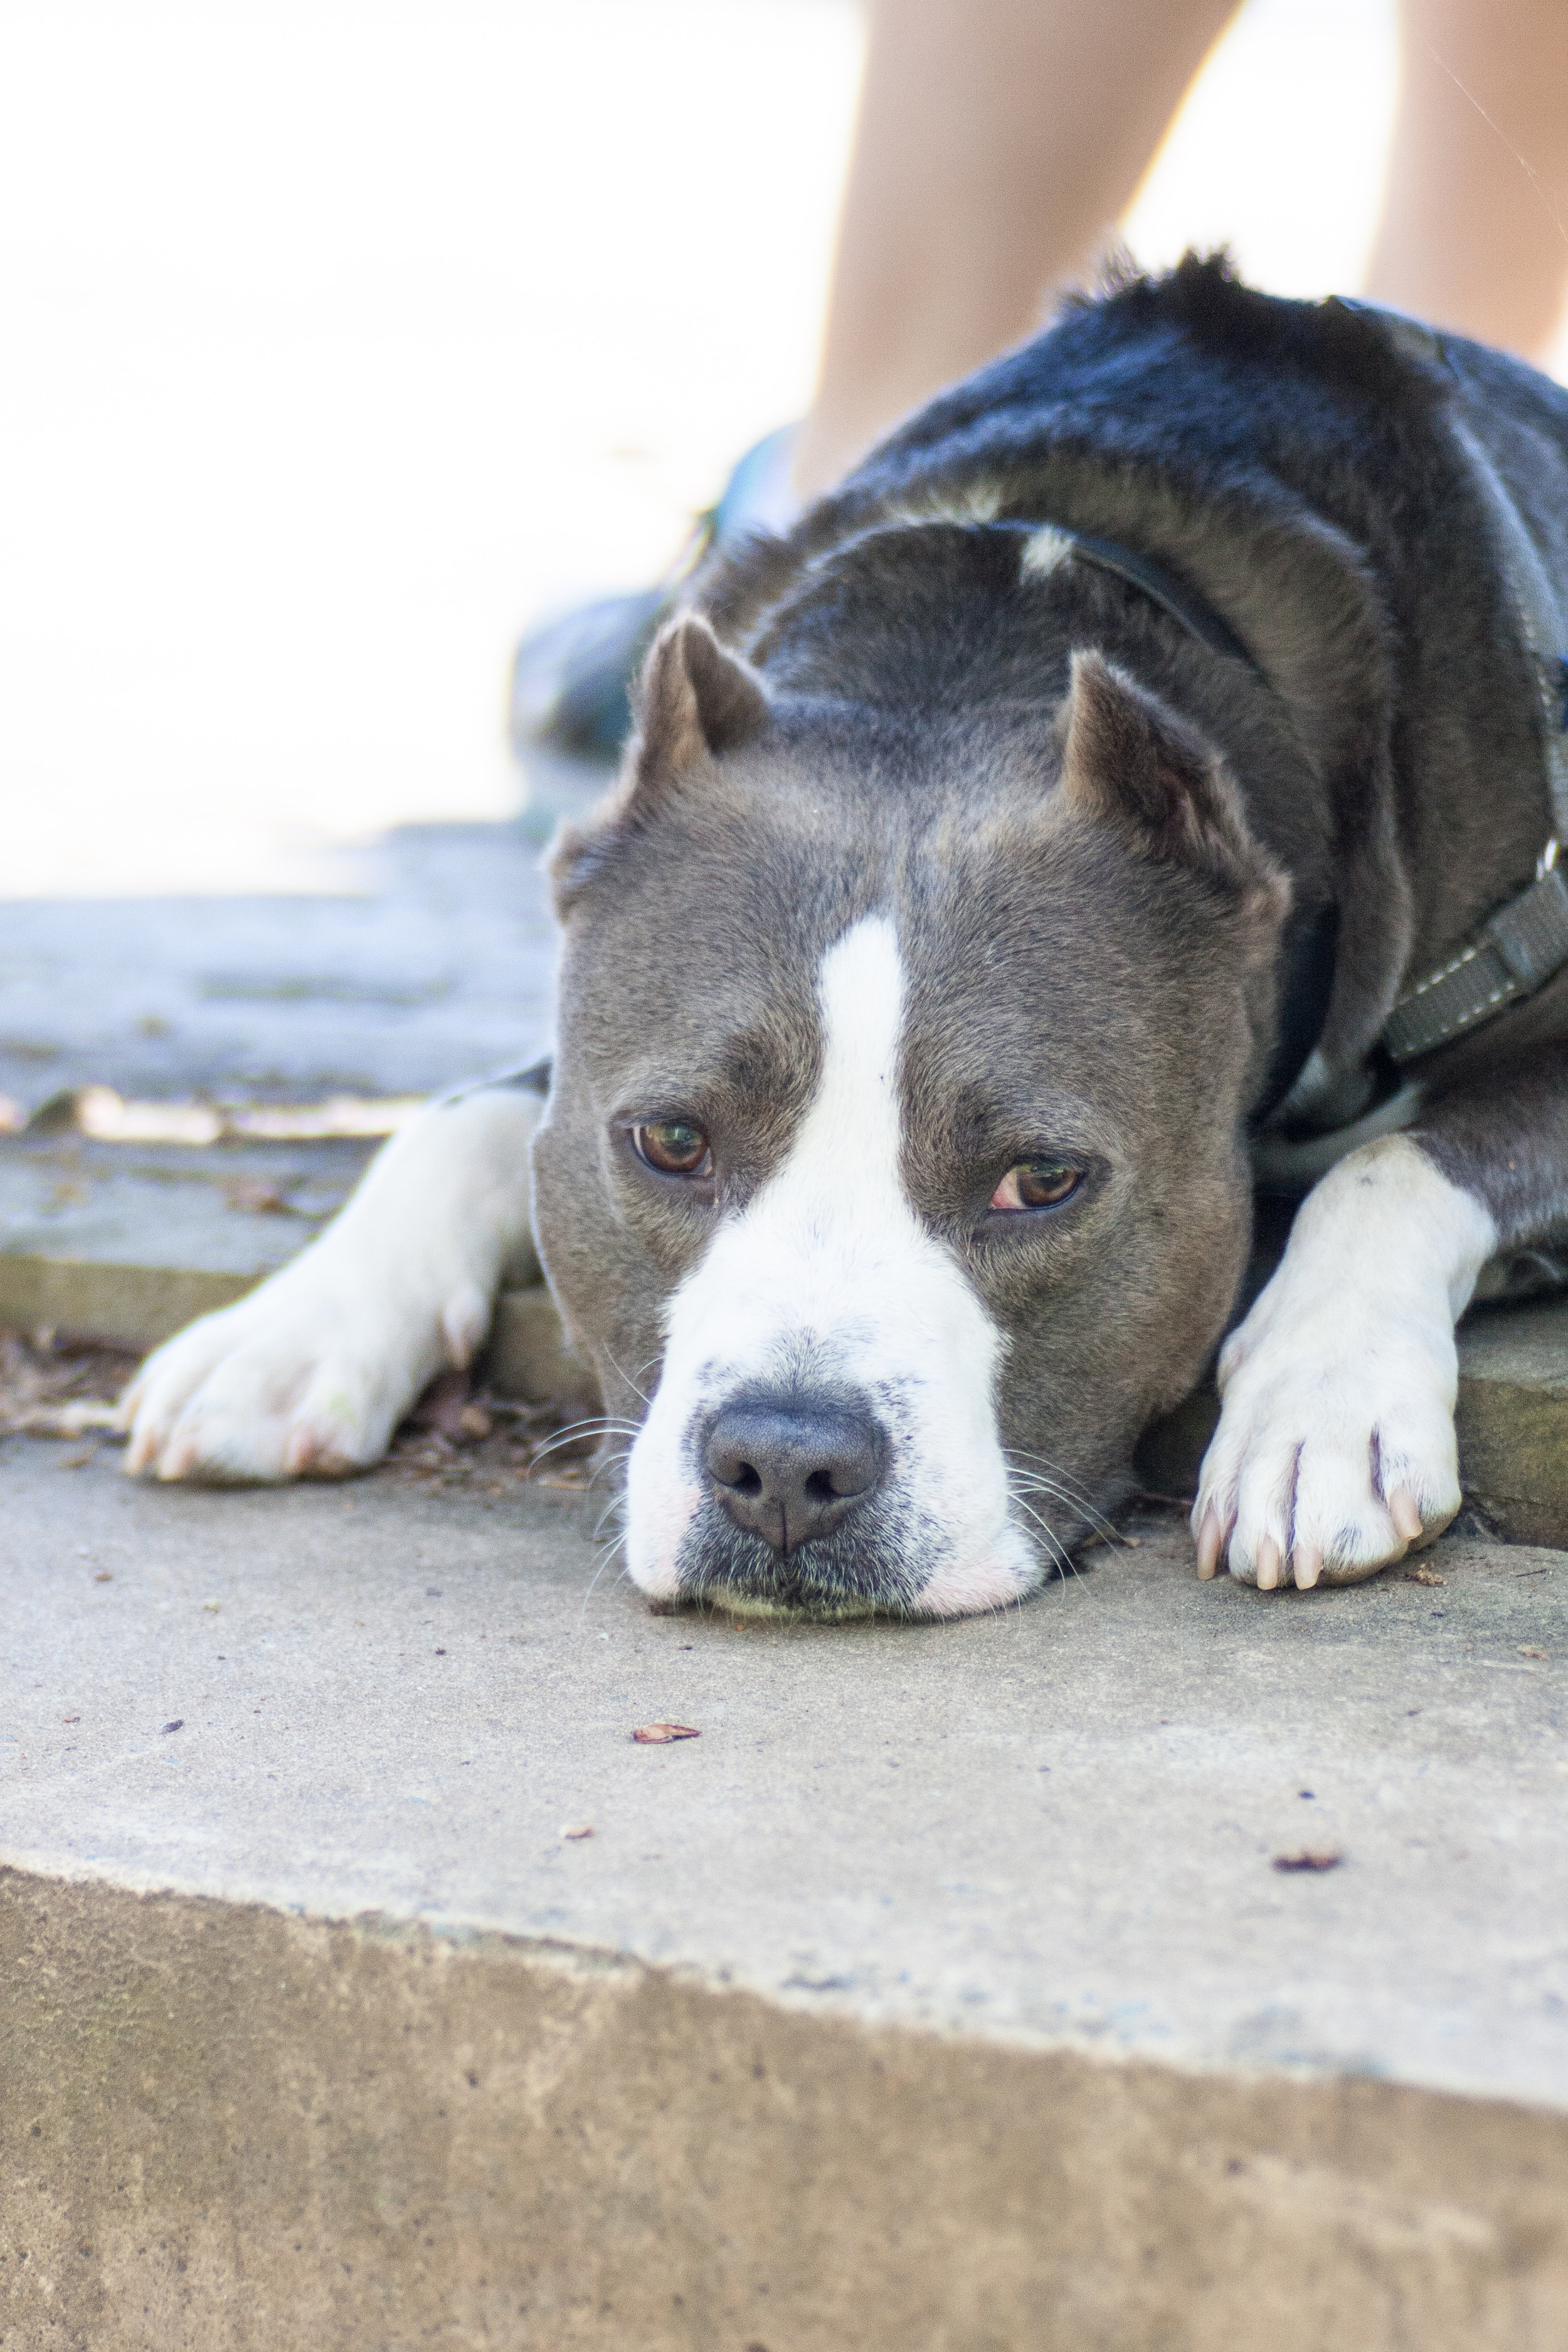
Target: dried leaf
1424,1576
658,1734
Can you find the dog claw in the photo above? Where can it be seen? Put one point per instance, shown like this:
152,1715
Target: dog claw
1404,1512
1209,1537
1309,1562
1269,1563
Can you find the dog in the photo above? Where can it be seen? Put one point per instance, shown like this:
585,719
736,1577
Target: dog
1139,782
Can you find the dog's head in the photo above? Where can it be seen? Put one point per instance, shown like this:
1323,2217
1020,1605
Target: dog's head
894,1175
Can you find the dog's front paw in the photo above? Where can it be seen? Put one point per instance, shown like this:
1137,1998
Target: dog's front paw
309,1375
1328,1464
292,1382
1335,1448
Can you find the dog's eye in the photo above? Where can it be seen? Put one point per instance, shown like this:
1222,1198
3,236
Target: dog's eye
676,1147
1037,1184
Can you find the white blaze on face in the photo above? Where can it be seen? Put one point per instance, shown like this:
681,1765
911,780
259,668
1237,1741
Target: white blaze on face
829,1266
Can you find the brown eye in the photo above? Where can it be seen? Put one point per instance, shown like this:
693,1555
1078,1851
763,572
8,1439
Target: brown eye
1037,1184
676,1147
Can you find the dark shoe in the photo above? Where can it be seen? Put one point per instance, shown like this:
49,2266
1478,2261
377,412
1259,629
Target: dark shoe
571,676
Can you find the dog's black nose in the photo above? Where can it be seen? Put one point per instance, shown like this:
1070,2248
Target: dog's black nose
788,1472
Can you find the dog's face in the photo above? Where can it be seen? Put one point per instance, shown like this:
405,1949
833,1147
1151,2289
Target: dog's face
892,1176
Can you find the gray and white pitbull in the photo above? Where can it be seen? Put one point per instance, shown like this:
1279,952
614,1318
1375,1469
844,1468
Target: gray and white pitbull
1140,778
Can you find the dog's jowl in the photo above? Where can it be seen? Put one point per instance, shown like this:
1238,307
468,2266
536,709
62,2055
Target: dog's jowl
1139,784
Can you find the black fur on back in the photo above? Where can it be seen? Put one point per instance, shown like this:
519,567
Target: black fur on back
1292,463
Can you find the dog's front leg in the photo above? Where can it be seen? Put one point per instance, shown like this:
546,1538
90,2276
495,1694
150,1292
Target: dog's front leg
1335,1449
309,1375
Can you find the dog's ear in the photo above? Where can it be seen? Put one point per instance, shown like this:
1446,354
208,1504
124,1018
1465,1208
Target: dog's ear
1133,765
693,702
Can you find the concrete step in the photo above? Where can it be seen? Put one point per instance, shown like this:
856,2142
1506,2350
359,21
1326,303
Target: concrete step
432,964
364,1983
126,1242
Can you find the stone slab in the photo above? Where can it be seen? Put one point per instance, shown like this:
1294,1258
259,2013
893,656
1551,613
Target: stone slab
228,2129
527,1355
1512,1419
991,1905
1054,1825
126,1242
434,963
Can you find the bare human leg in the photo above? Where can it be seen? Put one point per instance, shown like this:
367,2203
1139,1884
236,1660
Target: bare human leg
999,141
1474,234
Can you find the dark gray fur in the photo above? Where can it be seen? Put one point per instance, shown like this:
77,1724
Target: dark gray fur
1091,885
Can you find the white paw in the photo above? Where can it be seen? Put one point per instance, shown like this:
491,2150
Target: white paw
1334,1452
309,1375
1335,1449
300,1379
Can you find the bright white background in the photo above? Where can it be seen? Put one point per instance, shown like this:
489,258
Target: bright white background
342,335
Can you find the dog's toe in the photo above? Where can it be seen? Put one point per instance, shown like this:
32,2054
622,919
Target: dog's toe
152,1405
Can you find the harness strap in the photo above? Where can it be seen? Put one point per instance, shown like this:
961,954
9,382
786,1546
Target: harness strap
1515,952
1524,944
1174,596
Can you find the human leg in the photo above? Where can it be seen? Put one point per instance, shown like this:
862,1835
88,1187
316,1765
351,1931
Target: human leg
998,142
1474,233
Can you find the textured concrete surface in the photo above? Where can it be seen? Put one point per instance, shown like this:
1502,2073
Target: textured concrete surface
941,1991
1513,1420
434,965
228,2128
1057,1824
127,1242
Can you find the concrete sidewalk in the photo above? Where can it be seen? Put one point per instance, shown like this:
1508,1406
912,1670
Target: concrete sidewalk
941,1992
